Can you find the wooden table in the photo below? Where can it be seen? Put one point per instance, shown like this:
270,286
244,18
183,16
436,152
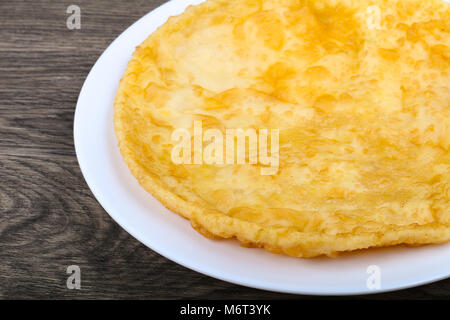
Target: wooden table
49,218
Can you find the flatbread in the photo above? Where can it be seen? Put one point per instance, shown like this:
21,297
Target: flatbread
359,91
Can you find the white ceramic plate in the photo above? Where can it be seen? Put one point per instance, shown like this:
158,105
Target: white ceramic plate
172,236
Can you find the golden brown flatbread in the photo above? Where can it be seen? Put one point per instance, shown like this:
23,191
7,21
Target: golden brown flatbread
359,91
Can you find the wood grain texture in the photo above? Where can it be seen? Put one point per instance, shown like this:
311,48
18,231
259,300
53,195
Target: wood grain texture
49,218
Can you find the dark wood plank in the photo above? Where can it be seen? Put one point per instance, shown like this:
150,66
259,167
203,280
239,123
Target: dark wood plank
49,218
